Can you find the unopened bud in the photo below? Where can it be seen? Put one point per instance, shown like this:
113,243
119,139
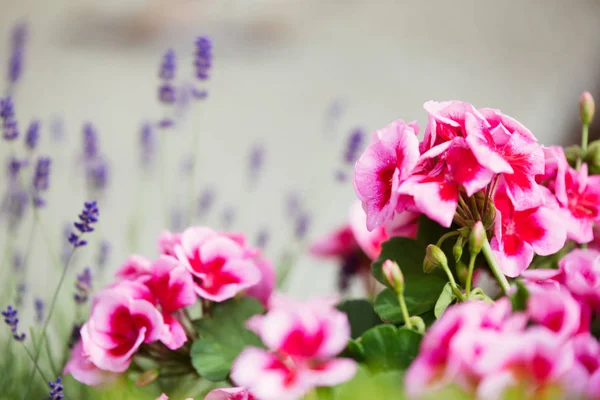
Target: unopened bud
434,258
393,274
572,153
457,250
417,323
586,108
477,238
147,377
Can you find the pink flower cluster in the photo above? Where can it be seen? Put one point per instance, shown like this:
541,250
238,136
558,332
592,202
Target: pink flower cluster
145,304
545,350
302,340
482,153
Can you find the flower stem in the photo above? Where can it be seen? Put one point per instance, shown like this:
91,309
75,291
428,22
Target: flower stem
489,256
38,348
404,310
470,274
446,236
584,144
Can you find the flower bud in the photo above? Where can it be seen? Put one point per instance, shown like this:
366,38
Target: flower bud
586,108
572,153
147,377
417,323
434,258
477,238
457,250
393,274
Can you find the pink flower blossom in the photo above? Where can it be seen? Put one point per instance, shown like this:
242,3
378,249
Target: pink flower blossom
581,275
263,290
446,122
165,397
84,371
511,151
218,264
235,393
587,363
520,234
122,319
556,310
387,161
173,289
533,362
303,340
579,197
167,242
134,268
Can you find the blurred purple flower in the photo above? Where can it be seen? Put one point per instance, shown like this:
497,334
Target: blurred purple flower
203,57
10,128
205,201
32,136
18,40
147,143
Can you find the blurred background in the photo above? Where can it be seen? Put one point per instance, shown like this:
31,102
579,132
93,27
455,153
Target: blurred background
292,78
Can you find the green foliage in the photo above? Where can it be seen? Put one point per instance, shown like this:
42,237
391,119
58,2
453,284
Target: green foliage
360,315
519,298
387,348
446,298
421,290
223,336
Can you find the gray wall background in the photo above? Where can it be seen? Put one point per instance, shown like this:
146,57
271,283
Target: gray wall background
278,67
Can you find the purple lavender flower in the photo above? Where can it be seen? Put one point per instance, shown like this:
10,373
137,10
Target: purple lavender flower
97,174
87,218
56,390
302,224
41,180
293,204
205,201
9,123
257,158
21,292
353,148
12,320
228,217
147,143
14,167
203,57
32,136
17,261
166,91
262,238
40,306
15,66
83,286
90,142
16,204
57,129
75,335
103,254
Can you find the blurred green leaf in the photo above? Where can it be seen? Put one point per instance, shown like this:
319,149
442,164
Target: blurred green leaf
446,298
519,298
360,315
223,336
387,348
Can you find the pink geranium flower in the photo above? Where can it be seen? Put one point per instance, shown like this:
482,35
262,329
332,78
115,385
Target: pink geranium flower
122,319
387,161
581,275
579,197
446,121
173,289
532,362
235,393
556,310
587,363
218,264
167,242
134,268
302,340
509,151
84,371
520,234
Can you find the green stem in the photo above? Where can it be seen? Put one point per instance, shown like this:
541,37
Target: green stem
465,208
453,284
489,256
474,207
34,364
584,144
404,310
446,236
38,349
470,274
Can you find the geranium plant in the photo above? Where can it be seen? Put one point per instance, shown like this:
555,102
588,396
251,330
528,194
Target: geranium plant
477,247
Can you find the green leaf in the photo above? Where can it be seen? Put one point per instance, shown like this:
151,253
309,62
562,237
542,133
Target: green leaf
360,315
354,350
387,348
446,298
223,336
519,298
366,386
